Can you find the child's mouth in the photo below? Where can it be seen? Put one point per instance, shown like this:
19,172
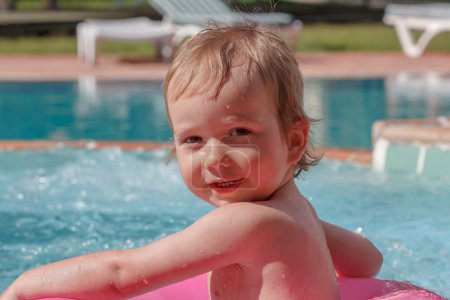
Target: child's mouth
226,186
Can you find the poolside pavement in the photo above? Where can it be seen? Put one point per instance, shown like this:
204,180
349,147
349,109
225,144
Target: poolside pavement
336,64
313,65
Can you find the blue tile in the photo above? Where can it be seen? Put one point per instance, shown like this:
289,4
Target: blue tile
437,161
402,158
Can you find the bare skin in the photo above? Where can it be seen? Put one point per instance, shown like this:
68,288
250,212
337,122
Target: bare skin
273,257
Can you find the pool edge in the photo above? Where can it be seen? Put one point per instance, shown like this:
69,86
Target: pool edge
346,154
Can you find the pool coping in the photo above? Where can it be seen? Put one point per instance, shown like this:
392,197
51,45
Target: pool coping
312,65
363,156
424,131
417,146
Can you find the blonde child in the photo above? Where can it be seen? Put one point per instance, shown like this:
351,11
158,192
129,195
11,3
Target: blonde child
234,101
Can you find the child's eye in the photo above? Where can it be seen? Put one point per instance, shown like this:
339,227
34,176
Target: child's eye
192,140
240,132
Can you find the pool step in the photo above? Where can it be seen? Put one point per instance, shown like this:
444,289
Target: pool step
419,146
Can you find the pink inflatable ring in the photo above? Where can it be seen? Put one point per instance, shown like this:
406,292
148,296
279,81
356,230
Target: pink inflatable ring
351,289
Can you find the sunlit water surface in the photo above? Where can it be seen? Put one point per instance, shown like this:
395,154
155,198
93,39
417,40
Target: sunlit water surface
64,202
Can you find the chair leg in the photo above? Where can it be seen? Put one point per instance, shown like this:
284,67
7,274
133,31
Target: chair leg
406,40
426,37
90,47
81,36
405,36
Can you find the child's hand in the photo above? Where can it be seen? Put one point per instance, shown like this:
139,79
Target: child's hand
8,295
13,291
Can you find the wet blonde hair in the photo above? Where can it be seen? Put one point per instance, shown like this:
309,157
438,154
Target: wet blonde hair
217,49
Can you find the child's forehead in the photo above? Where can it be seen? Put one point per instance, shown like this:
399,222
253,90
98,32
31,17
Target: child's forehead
239,79
241,82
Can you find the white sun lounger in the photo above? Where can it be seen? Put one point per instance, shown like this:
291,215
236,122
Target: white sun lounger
181,19
200,12
133,29
431,18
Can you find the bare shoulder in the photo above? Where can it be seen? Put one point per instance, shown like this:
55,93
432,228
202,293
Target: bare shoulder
248,214
248,223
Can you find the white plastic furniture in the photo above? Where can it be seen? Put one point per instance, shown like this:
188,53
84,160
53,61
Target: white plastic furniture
91,31
431,18
200,12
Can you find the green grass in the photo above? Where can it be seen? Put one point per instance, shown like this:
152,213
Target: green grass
358,37
67,45
313,38
38,45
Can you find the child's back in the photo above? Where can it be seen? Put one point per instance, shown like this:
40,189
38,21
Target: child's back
286,256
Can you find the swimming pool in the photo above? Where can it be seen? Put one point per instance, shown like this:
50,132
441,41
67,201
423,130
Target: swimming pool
134,110
63,202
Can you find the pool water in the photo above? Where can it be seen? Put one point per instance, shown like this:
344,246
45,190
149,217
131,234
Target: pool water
64,202
134,110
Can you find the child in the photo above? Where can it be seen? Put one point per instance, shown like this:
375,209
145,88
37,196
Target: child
234,100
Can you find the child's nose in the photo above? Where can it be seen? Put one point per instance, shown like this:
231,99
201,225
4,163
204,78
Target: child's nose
216,155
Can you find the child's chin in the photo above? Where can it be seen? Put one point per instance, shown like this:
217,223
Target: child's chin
229,198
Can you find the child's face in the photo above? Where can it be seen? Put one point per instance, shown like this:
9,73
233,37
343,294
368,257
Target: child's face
230,149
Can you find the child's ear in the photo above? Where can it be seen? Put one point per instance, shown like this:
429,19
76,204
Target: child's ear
297,140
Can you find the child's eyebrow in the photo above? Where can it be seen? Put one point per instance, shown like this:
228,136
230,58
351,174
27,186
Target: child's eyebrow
185,129
240,119
234,118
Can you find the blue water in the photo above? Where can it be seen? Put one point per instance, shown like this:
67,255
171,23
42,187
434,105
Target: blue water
134,110
123,110
64,202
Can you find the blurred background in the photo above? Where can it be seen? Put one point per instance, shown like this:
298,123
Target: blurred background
48,26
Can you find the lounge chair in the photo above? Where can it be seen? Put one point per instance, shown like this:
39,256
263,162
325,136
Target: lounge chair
181,19
133,29
200,12
431,18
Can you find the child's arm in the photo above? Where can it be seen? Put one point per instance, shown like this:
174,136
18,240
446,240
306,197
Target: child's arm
67,278
111,274
126,273
353,255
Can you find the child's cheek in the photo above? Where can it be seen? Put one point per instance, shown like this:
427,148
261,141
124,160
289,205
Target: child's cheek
246,161
187,167
245,157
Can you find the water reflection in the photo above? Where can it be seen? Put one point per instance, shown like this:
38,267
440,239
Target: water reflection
426,95
121,110
347,108
102,110
135,110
